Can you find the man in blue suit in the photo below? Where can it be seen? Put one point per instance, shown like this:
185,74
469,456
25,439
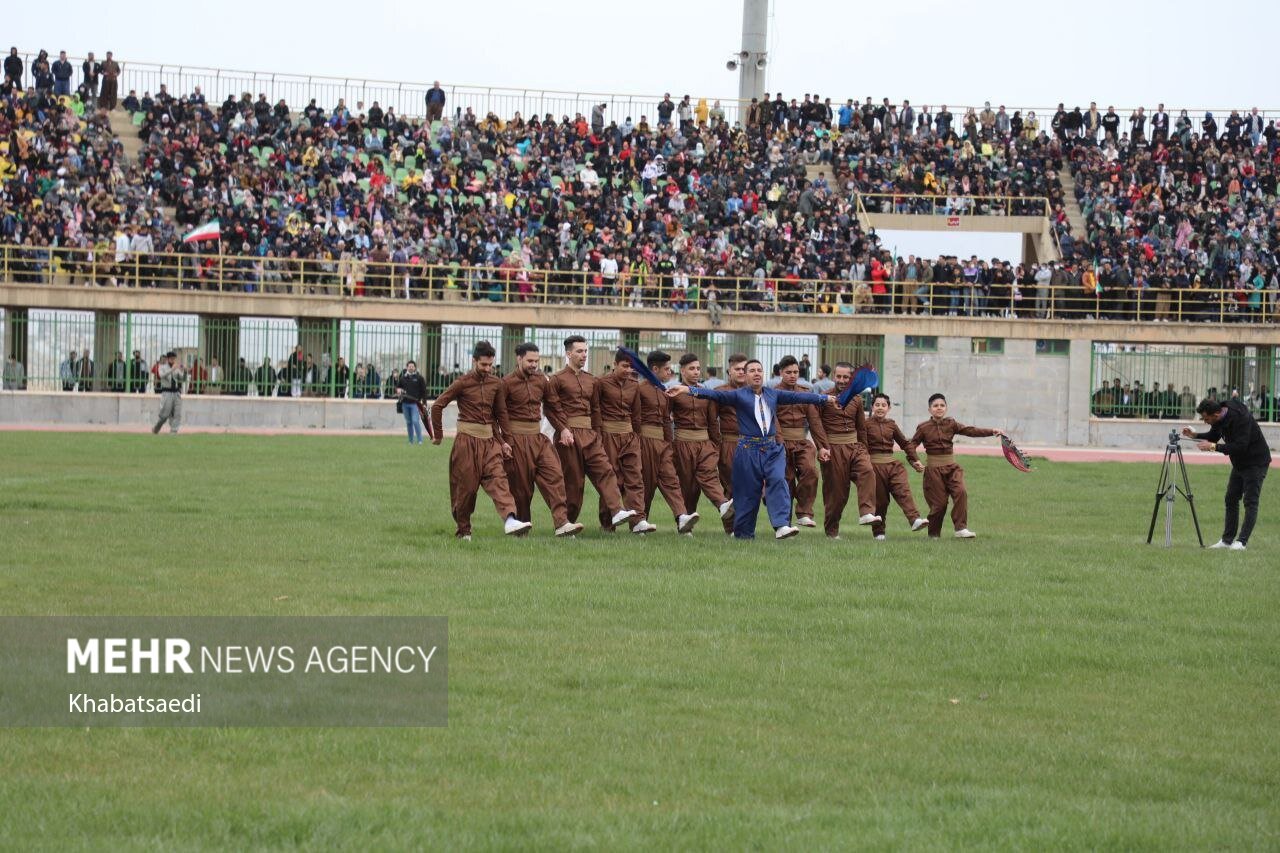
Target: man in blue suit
760,461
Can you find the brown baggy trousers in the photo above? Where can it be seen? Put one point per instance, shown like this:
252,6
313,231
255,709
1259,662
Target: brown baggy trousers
802,475
891,479
850,463
474,464
533,460
623,452
728,446
939,484
658,472
696,464
586,458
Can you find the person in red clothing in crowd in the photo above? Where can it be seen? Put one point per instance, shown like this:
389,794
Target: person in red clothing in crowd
880,286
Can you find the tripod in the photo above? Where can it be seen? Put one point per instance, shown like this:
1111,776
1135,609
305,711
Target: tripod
1168,489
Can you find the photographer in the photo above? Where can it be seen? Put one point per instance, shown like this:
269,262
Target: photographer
170,377
1233,431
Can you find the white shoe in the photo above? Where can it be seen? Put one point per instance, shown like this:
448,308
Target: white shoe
805,521
515,527
1236,546
1221,544
685,523
466,538
919,524
690,535
880,538
621,516
726,509
834,538
569,528
869,518
786,531
966,533
644,527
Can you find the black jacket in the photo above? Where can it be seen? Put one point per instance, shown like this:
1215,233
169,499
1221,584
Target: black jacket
1239,436
415,387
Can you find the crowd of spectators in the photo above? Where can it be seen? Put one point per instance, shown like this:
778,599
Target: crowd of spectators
1134,400
683,209
299,375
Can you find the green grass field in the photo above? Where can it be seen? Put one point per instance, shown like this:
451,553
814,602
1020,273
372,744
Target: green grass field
1054,683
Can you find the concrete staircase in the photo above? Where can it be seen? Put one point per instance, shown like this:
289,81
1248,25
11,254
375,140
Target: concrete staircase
811,172
1069,204
122,128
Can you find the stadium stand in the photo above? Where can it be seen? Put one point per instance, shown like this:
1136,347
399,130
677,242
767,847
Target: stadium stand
682,211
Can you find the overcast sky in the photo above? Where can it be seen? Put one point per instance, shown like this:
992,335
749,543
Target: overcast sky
1022,53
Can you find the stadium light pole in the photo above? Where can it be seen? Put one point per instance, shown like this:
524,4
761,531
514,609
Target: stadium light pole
755,39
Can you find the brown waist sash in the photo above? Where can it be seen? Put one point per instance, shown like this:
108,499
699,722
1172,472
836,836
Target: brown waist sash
475,430
579,422
791,433
655,432
882,458
617,427
526,427
692,435
842,438
937,460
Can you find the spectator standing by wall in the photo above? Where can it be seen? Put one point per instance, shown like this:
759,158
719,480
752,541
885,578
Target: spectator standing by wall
171,376
411,389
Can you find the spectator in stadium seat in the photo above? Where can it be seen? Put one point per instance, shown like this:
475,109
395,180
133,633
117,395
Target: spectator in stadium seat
15,376
62,72
13,69
110,83
435,99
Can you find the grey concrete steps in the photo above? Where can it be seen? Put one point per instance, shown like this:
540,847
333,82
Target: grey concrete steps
1074,215
122,128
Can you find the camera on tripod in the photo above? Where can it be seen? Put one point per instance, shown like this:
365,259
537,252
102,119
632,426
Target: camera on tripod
1168,489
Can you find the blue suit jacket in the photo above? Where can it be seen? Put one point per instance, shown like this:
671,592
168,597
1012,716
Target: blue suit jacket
743,401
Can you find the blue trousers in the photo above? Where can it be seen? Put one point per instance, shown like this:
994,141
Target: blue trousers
759,465
412,422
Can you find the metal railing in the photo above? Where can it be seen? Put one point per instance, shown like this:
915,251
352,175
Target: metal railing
1164,382
631,289
119,352
408,97
943,204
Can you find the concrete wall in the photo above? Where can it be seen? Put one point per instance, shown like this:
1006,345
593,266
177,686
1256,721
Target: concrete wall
1153,435
1021,392
1040,399
37,407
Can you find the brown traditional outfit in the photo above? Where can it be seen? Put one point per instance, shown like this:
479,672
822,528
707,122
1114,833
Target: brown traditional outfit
891,474
943,478
533,459
571,405
476,459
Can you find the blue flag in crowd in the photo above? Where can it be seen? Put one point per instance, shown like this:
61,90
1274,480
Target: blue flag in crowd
643,369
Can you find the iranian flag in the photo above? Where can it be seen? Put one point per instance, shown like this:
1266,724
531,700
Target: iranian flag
208,231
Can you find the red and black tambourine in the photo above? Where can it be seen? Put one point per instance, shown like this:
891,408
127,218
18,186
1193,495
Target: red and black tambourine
1016,457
